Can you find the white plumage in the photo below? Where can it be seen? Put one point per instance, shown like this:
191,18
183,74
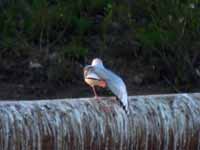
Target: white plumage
113,81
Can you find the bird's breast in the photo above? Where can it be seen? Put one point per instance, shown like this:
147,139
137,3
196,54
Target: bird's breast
95,82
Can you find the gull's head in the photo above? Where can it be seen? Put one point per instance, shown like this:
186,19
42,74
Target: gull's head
97,62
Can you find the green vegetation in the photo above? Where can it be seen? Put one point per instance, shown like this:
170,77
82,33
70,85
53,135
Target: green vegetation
168,33
171,36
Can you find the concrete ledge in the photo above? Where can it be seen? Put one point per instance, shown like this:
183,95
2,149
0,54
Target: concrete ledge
156,122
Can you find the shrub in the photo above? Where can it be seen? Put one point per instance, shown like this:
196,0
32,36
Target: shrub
169,32
40,28
46,23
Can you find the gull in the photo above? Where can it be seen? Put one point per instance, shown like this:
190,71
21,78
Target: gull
97,75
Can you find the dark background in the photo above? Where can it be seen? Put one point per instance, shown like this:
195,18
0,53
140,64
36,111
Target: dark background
44,44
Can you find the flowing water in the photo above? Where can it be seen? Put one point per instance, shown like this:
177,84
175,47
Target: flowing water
163,122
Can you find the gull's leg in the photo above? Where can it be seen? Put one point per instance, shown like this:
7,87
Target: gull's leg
95,93
102,108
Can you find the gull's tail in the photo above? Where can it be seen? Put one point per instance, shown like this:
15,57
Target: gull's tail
124,105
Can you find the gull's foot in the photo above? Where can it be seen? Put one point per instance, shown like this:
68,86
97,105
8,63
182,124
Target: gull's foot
97,98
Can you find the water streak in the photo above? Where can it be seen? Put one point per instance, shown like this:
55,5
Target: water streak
162,122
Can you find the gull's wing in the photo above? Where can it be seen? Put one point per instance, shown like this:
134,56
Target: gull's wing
114,83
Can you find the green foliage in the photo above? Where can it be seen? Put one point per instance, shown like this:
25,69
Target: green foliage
45,23
74,50
38,28
81,24
169,33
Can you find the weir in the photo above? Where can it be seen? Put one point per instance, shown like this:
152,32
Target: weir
155,122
